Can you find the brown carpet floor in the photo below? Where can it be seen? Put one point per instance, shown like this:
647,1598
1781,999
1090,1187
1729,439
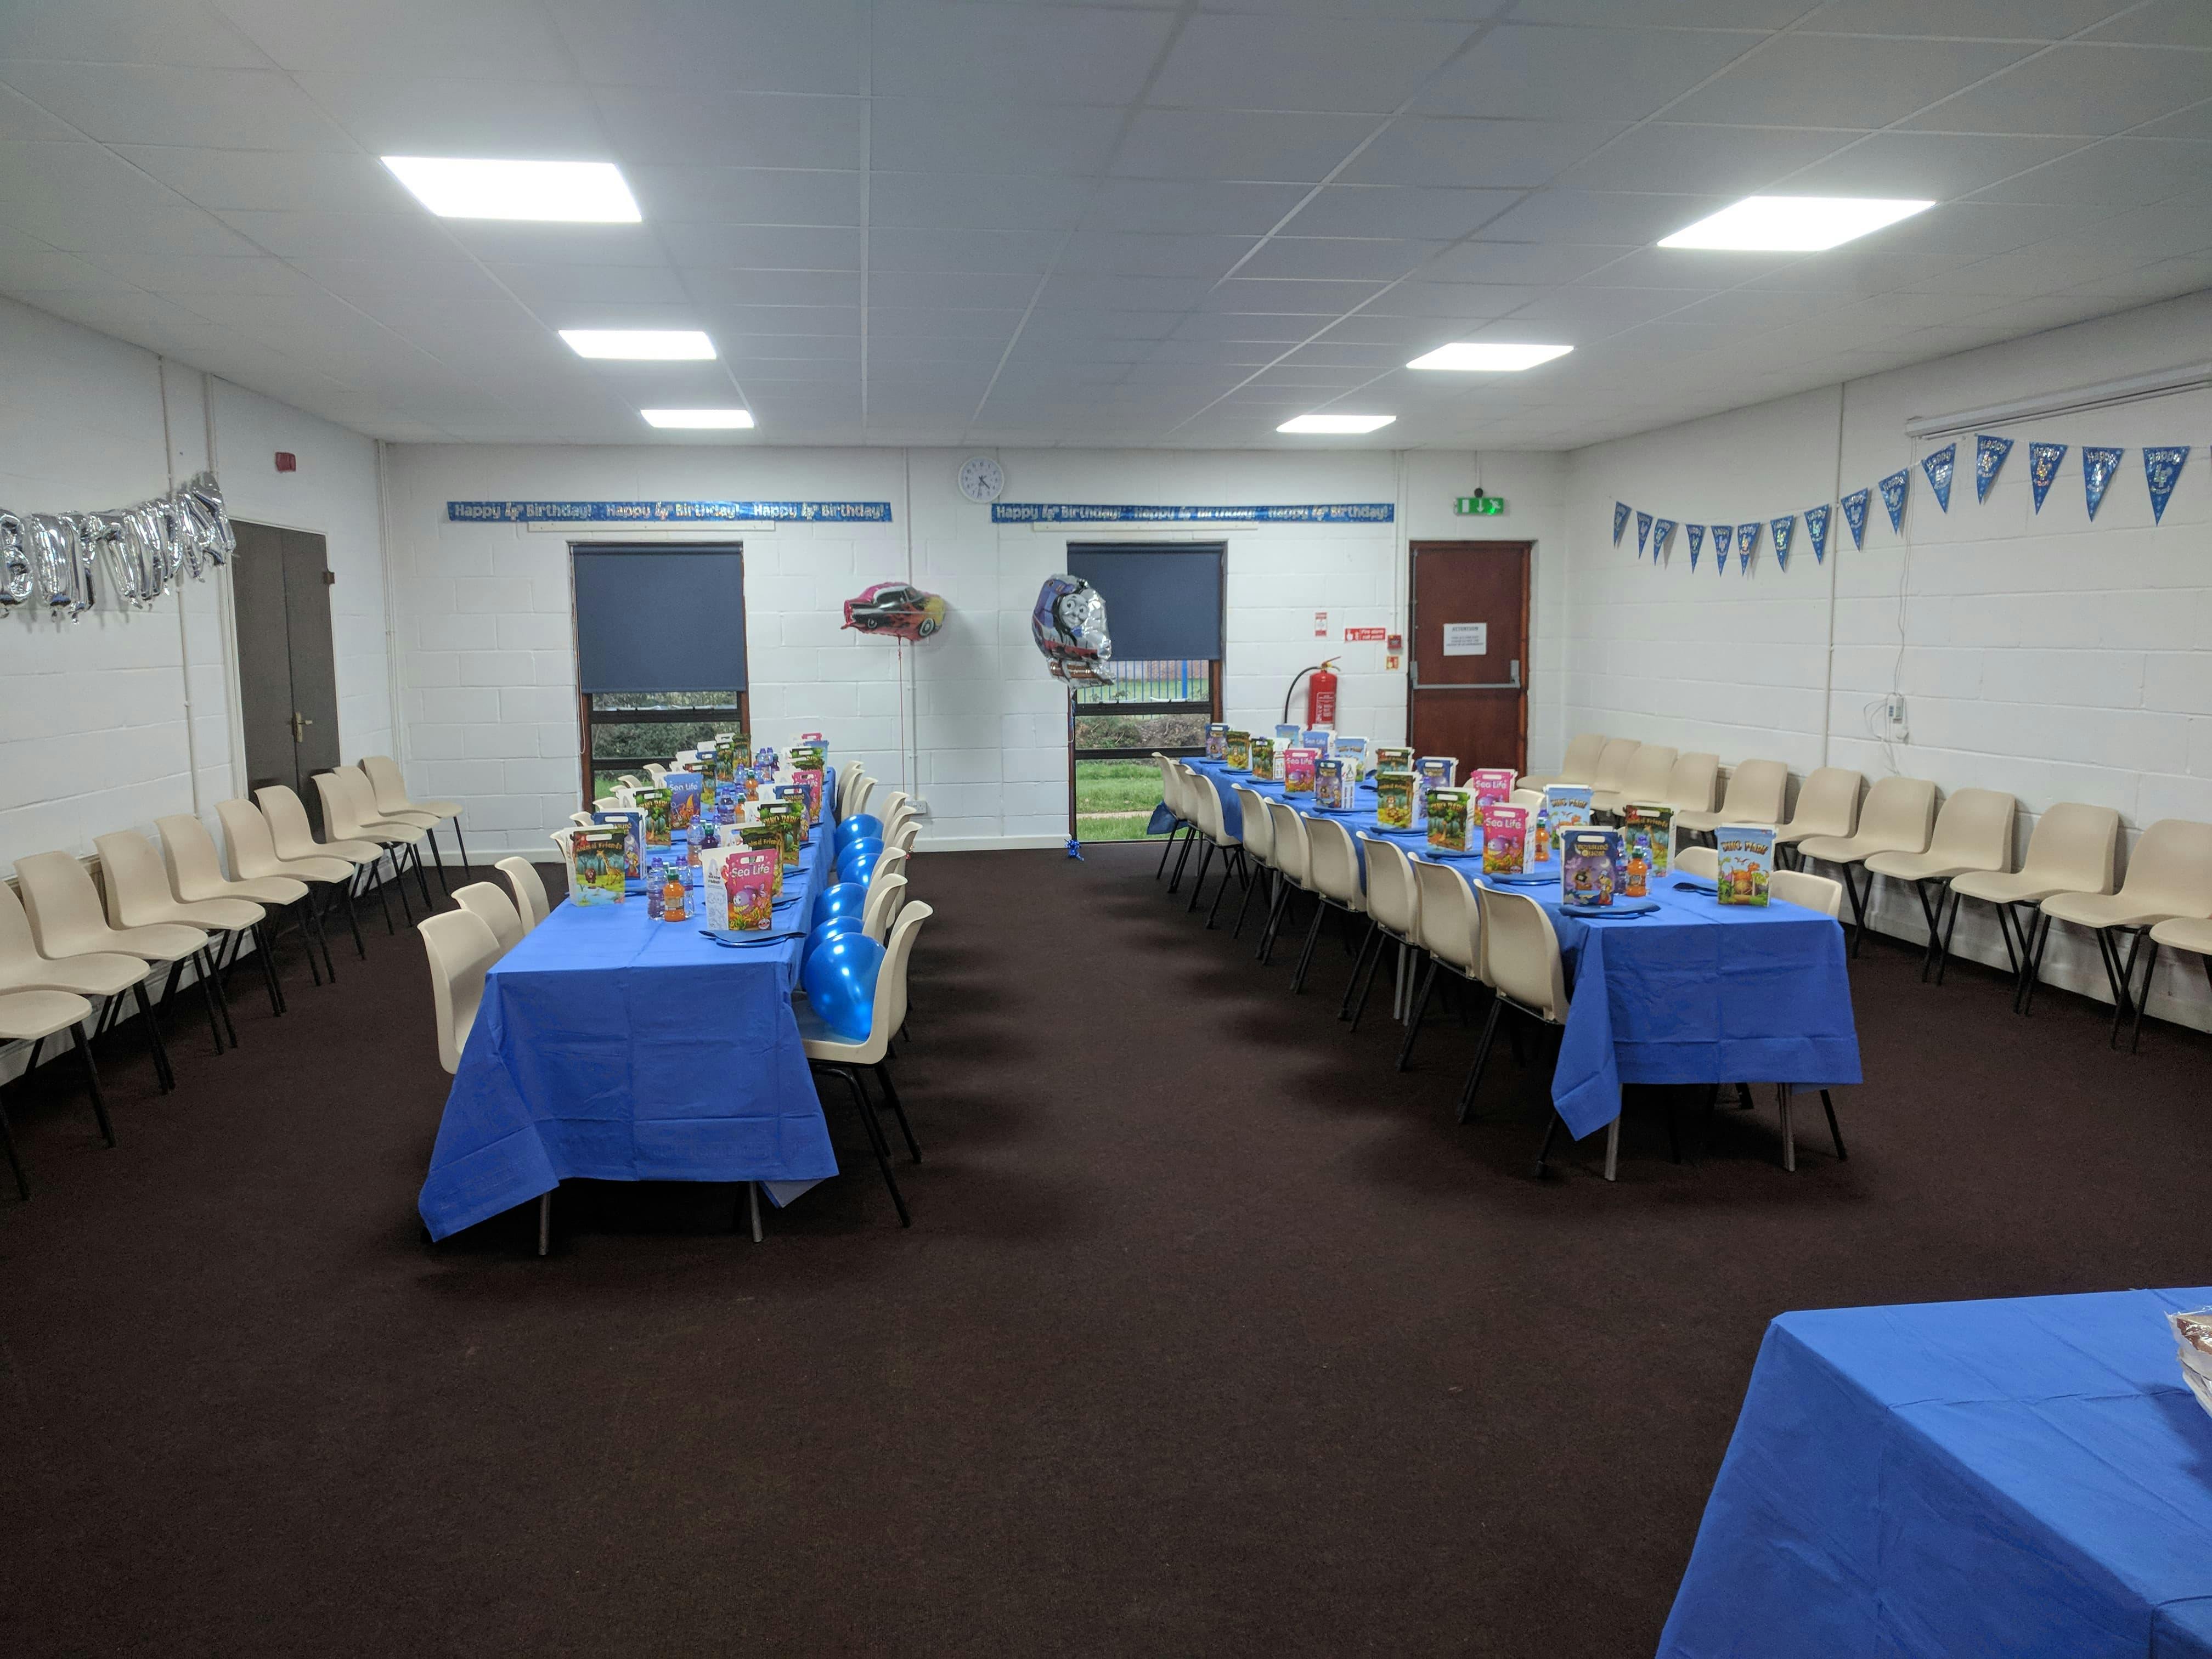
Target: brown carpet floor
1213,1334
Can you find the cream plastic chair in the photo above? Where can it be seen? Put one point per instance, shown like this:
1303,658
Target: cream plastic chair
1520,960
529,902
138,895
1699,864
1828,805
1450,935
565,841
1692,784
848,780
1171,798
2181,934
389,793
349,809
1394,916
1206,813
582,820
1756,791
1645,779
1610,775
1527,799
606,803
294,841
653,769
108,975
1814,893
886,895
828,1052
1292,853
1333,873
864,794
490,905
1974,834
31,1017
461,947
1579,766
1257,829
1189,786
196,874
902,839
1898,817
2074,848
2169,877
62,907
253,857
629,780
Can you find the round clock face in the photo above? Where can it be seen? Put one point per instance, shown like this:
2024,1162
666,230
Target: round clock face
981,479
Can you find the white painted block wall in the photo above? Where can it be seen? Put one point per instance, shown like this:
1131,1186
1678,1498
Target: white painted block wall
2039,653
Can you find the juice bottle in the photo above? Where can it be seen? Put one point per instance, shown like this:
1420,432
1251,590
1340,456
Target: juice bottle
671,898
1639,869
1539,851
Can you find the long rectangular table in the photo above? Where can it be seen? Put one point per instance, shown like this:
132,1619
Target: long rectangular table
612,1047
2022,1478
1694,992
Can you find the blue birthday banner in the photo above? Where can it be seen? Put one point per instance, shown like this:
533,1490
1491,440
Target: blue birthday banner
1088,512
668,512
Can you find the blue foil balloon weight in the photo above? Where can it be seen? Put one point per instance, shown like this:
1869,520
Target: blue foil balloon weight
860,827
858,861
840,979
836,928
846,899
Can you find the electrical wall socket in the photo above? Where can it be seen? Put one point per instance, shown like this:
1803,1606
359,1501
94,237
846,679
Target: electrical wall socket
1899,728
919,807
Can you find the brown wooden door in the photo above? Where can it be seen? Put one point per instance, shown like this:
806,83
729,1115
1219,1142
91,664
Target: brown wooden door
1468,694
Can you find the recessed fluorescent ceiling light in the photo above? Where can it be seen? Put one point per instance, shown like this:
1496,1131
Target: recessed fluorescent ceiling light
702,417
453,187
1336,422
656,345
1793,224
1496,359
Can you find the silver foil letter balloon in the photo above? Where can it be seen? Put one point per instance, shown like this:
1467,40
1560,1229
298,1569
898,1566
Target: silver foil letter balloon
17,579
63,569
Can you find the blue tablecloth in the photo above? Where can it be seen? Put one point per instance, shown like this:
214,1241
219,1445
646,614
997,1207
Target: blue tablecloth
2017,1477
1694,992
612,1047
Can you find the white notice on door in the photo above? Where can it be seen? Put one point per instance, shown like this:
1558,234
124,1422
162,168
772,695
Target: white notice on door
1467,639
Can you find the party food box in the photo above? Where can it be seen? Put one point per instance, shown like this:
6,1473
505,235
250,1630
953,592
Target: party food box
809,757
789,819
1320,739
1449,822
1353,752
809,778
1286,738
729,801
1747,855
1430,772
1394,759
682,798
1261,752
1332,792
741,890
1298,771
654,803
1491,785
598,864
1237,749
1566,805
1504,840
1394,800
631,822
765,838
1652,828
1217,741
1589,866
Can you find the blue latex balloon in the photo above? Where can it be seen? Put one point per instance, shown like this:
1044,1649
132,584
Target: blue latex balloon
829,930
846,899
859,827
841,984
859,865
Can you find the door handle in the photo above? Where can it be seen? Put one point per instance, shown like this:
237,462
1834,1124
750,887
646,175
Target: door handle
300,725
1513,684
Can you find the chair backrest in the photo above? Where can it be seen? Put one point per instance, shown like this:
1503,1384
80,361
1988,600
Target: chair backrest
137,887
605,803
287,821
245,832
2075,846
1291,849
1612,763
885,895
1528,799
1703,862
902,839
1450,919
891,861
888,807
656,771
1169,782
898,957
1393,894
1974,828
18,943
341,812
1332,865
499,912
1583,753
461,946
2170,868
1819,893
1648,774
1690,786
863,791
188,851
566,841
1756,791
629,780
1521,953
1828,805
63,904
1899,814
529,890
1258,828
388,789
582,820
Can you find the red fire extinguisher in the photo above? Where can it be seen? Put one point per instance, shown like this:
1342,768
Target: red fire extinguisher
1320,695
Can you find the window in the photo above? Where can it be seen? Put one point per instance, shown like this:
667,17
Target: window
660,654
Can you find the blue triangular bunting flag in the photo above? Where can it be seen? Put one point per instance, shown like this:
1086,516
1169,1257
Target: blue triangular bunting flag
1724,539
1816,530
1989,460
2161,471
1893,497
2042,467
1854,511
1643,532
1661,529
1620,520
2098,466
1696,532
1746,538
1783,528
1938,467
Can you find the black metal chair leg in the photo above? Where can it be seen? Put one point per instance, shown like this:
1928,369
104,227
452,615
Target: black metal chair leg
206,977
1943,956
375,867
398,857
163,1074
1166,847
891,1096
264,946
1858,904
1183,860
1383,944
1834,1133
1481,1060
92,1082
1551,1128
1198,883
438,856
1280,908
1419,1012
462,842
2135,1041
422,880
7,1145
1935,919
2035,965
1232,858
214,972
1359,962
875,1139
1251,888
1313,939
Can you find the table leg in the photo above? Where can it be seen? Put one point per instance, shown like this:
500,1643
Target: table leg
544,1222
1613,1148
753,1201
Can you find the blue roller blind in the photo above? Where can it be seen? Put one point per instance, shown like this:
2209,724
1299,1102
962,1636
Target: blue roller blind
660,619
1162,602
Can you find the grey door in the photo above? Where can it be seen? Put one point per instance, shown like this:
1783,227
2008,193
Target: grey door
287,679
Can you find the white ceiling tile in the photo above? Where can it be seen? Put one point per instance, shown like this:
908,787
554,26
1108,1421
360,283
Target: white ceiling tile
562,286
1998,20
774,288
1387,210
372,236
163,270
1288,296
1245,144
973,202
1107,297
1415,311
27,264
1732,161
1301,64
1337,258
762,45
504,39
931,290
653,125
761,247
917,248
21,119
1923,166
2075,90
1759,15
314,181
737,320
945,322
419,115
1279,329
2120,170
1685,268
1580,74
1832,80
922,134
193,33
1190,206
2162,22
1151,254
1469,151
1522,262
746,196
1087,55
1598,311
1600,217
748,352
526,243
159,104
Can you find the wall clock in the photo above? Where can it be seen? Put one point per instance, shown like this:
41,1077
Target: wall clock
980,480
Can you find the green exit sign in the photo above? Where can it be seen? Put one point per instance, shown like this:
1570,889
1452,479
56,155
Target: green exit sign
1478,503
